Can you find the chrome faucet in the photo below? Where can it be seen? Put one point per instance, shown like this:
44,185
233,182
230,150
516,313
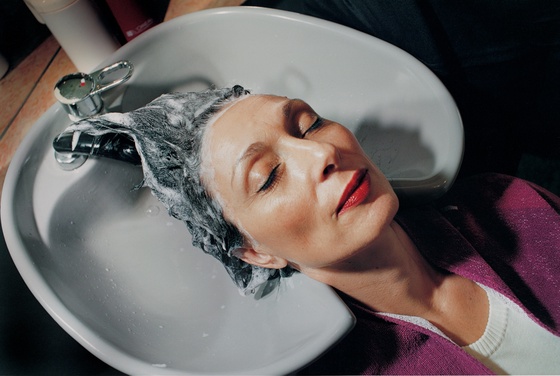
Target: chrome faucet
80,96
72,149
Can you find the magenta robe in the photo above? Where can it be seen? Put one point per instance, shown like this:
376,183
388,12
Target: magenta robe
500,231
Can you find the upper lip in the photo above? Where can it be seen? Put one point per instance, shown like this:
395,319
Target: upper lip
352,185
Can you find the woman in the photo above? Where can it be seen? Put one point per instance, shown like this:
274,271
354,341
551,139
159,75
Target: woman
265,184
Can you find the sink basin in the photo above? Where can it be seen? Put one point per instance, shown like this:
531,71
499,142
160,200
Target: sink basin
121,276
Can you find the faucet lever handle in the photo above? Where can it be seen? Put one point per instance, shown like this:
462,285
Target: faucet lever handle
80,93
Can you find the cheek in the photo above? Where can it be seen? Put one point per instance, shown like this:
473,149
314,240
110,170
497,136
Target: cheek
281,225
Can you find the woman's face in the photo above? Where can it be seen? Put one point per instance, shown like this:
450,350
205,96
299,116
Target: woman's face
299,187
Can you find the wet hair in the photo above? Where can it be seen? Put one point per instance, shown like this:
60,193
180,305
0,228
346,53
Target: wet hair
168,133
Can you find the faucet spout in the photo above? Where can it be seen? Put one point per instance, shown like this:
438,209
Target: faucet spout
71,145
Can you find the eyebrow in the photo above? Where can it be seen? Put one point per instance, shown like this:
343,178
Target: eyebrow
257,148
253,149
287,108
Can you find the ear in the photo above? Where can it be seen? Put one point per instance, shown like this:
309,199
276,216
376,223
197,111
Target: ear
259,258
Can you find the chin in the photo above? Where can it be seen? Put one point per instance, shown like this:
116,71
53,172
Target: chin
382,211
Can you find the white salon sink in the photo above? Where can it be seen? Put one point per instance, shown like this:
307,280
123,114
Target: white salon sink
118,274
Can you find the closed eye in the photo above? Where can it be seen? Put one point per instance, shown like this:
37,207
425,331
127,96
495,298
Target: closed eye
271,181
316,125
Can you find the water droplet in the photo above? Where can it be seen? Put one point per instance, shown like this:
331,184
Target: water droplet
152,211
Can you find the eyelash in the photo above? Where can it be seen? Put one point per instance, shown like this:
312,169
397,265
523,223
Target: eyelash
273,177
271,181
317,124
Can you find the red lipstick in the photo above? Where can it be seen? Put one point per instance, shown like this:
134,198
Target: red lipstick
355,192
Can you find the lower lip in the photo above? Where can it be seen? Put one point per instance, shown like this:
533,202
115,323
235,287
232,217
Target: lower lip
359,195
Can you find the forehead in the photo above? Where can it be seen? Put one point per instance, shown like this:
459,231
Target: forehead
253,112
243,120
252,108
236,127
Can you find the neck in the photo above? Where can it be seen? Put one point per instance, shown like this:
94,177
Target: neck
393,277
390,276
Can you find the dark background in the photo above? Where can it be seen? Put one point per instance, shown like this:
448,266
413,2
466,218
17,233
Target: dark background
511,122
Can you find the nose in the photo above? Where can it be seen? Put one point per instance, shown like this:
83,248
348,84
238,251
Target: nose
316,159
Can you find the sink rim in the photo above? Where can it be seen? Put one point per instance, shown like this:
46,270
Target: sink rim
25,264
